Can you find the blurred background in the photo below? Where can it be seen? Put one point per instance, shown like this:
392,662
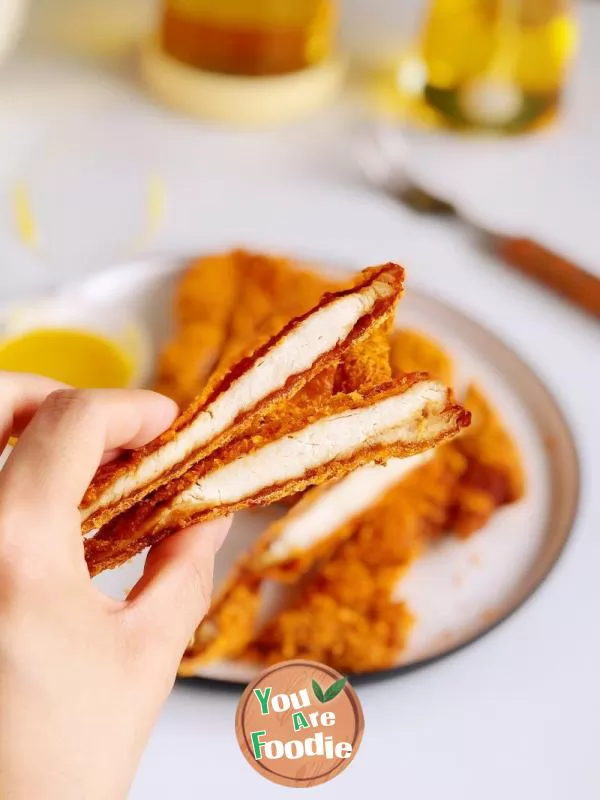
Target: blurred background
490,104
460,138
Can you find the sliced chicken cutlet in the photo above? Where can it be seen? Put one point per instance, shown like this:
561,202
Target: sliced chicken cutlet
398,419
361,532
365,365
271,290
275,372
222,305
230,625
324,518
348,614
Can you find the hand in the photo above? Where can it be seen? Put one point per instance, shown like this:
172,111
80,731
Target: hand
82,677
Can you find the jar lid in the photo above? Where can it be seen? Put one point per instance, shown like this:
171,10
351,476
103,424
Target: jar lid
240,99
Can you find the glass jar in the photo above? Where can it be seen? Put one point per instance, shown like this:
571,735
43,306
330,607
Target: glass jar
248,37
487,64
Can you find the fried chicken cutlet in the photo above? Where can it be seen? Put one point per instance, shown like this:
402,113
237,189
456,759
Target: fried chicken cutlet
346,615
348,609
325,517
401,418
223,304
254,386
493,474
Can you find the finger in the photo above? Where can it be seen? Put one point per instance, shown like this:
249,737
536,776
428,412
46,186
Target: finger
60,450
20,397
110,455
174,593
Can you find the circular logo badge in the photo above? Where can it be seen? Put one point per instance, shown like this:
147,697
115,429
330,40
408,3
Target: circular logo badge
299,723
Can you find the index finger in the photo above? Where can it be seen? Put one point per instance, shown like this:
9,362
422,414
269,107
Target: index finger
21,395
60,450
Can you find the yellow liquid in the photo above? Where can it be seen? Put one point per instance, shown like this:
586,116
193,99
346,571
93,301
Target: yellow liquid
248,37
498,64
79,358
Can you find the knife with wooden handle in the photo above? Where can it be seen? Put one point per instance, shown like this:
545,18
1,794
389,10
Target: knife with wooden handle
573,283
383,157
550,269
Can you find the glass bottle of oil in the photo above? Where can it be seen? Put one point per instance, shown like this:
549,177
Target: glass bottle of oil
492,64
248,37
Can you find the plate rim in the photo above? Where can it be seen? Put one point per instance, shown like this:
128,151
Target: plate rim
366,678
173,261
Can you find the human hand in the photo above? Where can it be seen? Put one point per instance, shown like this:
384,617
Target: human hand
82,676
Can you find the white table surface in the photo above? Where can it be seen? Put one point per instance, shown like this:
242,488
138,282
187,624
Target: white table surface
517,714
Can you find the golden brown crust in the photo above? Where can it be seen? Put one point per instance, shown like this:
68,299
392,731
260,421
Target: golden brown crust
346,615
229,626
339,635
382,309
187,361
152,520
272,291
493,474
413,351
203,306
367,363
222,304
208,289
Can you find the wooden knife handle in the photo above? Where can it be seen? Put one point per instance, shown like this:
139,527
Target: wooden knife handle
554,271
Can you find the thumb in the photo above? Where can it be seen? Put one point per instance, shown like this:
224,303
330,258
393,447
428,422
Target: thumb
173,594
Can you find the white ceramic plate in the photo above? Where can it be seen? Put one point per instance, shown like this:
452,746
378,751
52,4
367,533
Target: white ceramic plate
460,589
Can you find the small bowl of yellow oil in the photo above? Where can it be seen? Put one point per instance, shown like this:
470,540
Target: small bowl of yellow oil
57,341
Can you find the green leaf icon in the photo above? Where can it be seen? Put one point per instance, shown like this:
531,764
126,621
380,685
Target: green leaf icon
335,689
318,691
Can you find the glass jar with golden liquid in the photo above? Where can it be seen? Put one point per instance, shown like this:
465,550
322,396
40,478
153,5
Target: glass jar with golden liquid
491,64
248,37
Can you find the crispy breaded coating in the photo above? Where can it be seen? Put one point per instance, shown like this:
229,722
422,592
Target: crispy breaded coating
187,361
413,351
398,419
346,639
272,291
275,372
223,304
346,615
325,517
204,303
494,473
208,289
367,363
228,627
